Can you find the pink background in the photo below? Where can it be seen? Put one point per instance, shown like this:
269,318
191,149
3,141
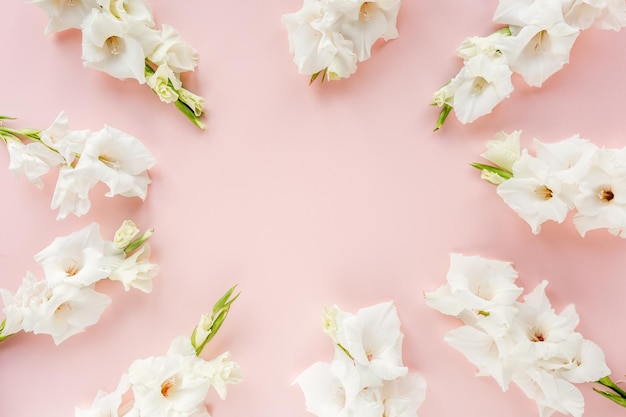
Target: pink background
305,196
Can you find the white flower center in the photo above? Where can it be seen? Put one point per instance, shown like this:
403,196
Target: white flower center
606,195
543,192
484,292
365,12
114,44
479,84
536,335
71,2
167,385
540,42
111,163
63,307
73,268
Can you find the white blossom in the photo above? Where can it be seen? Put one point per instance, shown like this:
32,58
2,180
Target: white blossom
534,193
119,160
481,84
65,14
601,202
81,258
540,48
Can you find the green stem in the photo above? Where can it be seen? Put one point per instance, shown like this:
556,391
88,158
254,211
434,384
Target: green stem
617,395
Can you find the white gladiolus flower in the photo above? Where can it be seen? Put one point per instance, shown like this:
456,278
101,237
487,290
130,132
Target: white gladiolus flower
68,143
130,10
533,193
71,194
32,160
107,404
478,45
24,308
119,160
504,149
69,310
612,16
81,258
65,14
403,396
115,46
477,289
602,199
316,46
539,49
325,396
488,354
222,371
540,352
178,55
582,14
333,35
481,84
366,377
544,334
587,365
551,393
135,271
170,385
522,12
364,22
372,337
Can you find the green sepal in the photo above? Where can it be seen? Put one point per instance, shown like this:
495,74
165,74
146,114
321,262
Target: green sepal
3,338
617,395
317,74
443,115
496,170
137,242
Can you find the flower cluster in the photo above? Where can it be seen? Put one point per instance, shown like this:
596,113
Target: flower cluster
174,385
84,158
526,343
65,302
366,377
120,38
535,43
570,174
329,37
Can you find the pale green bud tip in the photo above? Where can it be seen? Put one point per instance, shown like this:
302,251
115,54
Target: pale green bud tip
491,177
125,234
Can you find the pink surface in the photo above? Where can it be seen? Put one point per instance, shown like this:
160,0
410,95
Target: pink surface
305,196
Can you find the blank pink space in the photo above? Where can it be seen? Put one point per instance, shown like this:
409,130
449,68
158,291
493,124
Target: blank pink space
304,196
